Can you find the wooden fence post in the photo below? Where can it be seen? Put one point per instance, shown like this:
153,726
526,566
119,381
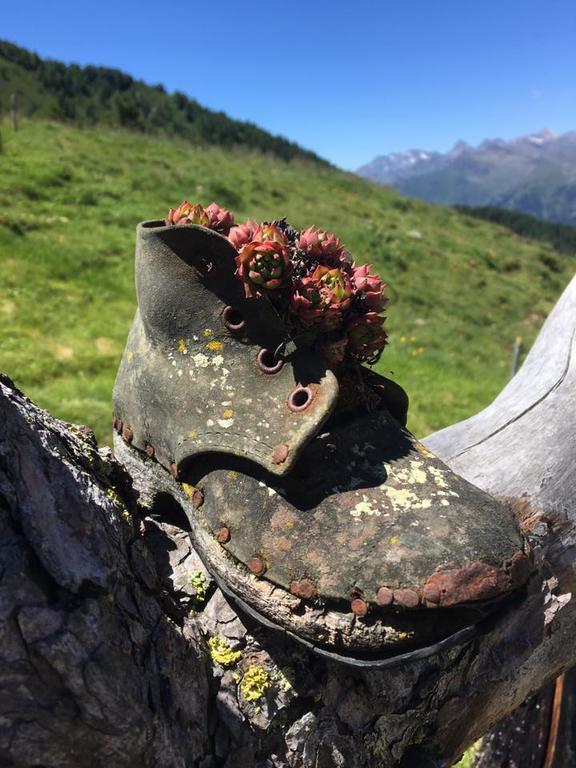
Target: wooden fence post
14,111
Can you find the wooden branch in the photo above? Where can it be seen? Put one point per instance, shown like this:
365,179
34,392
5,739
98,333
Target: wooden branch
92,672
107,610
523,445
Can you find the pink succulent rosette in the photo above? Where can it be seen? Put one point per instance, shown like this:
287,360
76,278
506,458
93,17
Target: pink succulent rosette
187,213
219,219
322,245
310,279
263,266
264,233
366,335
322,297
212,217
370,286
241,234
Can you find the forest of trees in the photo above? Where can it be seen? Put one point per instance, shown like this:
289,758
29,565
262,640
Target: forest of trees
98,95
561,236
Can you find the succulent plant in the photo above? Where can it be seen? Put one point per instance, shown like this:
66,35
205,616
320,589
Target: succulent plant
263,266
322,297
219,219
366,336
370,286
240,234
188,213
266,232
310,278
324,245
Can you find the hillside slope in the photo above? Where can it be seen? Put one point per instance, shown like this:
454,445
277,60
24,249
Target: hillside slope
461,289
89,96
533,174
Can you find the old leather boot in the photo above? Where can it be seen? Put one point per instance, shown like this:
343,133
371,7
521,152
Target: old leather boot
308,500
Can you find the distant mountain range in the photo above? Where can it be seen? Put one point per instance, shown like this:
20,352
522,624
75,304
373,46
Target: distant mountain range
534,174
88,96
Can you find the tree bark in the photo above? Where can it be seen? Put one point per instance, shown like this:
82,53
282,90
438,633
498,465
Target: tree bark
107,610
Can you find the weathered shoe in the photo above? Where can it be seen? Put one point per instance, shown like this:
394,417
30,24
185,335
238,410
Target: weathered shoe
307,499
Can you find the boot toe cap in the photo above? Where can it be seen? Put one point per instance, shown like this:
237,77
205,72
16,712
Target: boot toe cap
370,524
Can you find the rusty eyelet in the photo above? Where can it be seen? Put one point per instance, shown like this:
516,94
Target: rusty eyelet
268,362
233,319
300,398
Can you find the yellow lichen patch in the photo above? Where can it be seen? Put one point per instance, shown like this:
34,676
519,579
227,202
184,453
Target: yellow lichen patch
192,434
207,332
364,507
401,498
439,476
414,474
393,540
221,653
404,500
231,475
417,472
215,346
130,356
255,682
228,413
423,451
188,489
182,346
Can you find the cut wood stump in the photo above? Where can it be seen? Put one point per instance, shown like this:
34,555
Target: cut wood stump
118,649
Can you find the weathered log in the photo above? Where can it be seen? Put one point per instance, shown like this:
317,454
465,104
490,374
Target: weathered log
539,734
495,449
106,609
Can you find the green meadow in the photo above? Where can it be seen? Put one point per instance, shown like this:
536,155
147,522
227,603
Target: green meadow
461,290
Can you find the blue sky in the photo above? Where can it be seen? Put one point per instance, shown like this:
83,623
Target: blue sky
348,80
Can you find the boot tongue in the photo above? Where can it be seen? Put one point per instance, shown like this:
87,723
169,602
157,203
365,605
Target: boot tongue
219,388
268,419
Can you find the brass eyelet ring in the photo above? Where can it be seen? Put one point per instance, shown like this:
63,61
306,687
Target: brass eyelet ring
300,398
233,319
268,362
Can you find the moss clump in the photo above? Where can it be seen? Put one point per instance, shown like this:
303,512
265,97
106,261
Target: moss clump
283,678
197,580
255,682
467,759
221,652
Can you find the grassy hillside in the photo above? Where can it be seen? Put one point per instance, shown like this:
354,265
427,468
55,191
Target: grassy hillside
461,289
89,96
561,236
